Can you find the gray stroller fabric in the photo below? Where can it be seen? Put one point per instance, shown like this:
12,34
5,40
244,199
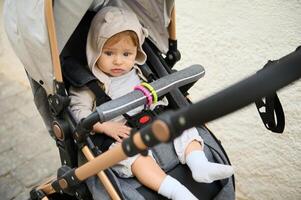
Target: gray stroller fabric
153,15
99,193
165,156
41,102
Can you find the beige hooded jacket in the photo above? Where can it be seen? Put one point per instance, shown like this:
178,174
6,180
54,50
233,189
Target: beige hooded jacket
106,23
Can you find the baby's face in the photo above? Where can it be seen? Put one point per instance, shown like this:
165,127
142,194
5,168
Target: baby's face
119,58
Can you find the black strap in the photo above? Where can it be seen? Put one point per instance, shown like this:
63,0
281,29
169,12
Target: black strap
271,113
101,96
102,141
270,110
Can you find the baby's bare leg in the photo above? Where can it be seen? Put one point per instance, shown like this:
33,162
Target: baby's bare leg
193,146
148,172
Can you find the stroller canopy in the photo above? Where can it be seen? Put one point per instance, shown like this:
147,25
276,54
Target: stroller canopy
26,28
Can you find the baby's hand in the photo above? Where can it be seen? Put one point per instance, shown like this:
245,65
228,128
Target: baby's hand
116,130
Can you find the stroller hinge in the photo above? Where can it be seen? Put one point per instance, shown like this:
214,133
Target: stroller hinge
57,103
37,194
59,100
81,133
173,55
67,181
60,88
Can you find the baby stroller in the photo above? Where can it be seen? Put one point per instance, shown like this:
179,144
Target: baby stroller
72,23
52,100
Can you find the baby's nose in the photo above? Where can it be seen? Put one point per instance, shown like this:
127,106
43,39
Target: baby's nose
118,59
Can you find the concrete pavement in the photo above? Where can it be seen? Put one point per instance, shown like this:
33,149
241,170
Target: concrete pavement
27,153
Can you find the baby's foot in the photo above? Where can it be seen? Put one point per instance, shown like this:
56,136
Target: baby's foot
204,171
173,189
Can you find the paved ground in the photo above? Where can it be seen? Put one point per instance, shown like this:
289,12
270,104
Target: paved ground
27,153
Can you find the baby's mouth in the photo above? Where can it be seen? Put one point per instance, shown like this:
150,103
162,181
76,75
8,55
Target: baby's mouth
117,70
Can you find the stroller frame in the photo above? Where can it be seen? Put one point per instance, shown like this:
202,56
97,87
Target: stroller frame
69,180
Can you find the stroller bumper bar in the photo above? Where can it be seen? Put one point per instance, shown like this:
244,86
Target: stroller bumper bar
119,106
162,86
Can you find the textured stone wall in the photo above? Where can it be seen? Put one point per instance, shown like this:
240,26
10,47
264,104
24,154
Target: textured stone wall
234,39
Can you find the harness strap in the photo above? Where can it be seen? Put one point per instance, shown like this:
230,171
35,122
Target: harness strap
101,96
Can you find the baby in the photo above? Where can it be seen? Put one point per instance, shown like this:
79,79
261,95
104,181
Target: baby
114,48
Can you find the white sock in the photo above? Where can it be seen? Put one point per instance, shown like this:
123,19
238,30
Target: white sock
173,189
204,171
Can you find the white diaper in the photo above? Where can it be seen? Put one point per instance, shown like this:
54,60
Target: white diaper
124,167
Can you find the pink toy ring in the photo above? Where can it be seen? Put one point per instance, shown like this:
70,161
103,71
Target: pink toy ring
146,93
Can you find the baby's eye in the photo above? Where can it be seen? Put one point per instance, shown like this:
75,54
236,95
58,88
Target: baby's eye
108,53
126,53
